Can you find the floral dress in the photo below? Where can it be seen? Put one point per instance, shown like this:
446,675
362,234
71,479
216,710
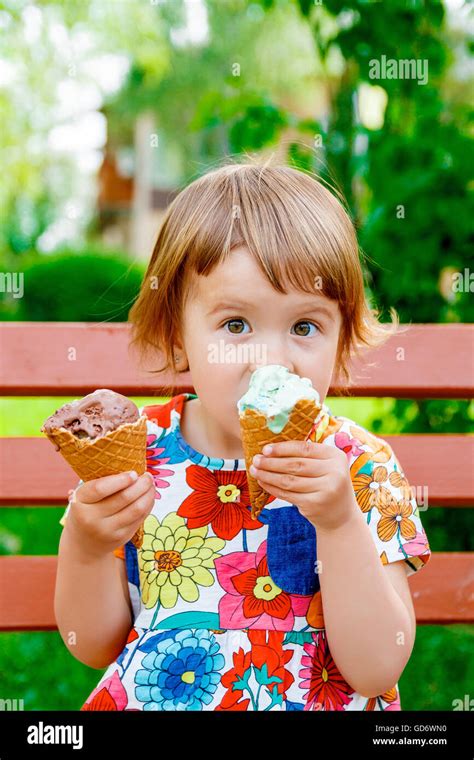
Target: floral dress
227,610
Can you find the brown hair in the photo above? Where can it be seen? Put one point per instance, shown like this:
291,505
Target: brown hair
298,232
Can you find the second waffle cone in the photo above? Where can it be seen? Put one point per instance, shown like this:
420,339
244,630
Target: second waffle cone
256,434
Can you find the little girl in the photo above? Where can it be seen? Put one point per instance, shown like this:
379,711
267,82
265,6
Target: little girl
308,607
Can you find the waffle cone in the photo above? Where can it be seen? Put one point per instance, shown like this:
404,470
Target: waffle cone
256,434
117,451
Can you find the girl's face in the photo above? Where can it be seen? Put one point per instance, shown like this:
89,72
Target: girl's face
235,321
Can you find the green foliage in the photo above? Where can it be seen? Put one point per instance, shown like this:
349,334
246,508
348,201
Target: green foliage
38,668
85,287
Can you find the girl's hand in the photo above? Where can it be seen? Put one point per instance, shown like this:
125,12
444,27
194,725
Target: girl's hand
106,512
312,476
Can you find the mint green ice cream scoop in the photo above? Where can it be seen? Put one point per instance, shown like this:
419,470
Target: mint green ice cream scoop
274,391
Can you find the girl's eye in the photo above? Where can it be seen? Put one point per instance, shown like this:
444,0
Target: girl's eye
234,323
305,334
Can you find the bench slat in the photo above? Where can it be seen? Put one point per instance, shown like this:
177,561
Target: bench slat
427,361
443,591
34,473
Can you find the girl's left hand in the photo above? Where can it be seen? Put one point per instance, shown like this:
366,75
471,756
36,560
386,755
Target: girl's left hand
312,476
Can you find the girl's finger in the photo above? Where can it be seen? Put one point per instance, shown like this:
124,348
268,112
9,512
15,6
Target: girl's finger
285,482
292,497
100,488
312,468
133,514
119,501
303,449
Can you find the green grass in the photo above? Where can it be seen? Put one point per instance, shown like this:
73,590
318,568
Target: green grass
38,668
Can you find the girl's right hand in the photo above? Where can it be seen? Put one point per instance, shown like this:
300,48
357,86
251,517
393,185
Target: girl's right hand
104,513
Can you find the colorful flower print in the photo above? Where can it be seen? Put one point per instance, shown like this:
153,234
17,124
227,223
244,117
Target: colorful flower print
350,446
220,499
109,695
174,560
154,463
253,600
327,689
369,490
260,673
181,672
395,517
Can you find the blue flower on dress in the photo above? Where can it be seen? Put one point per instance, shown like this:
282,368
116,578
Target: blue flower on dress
181,673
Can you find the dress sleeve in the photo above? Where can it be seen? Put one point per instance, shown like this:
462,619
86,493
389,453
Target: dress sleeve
390,505
62,521
119,552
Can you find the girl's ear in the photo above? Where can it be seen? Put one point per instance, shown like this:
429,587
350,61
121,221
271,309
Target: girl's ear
180,359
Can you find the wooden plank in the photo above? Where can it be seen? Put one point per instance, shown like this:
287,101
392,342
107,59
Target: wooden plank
27,593
443,591
410,365
423,361
33,472
444,464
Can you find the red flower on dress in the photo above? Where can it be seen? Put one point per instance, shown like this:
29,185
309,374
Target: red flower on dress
232,697
220,498
327,689
110,695
267,650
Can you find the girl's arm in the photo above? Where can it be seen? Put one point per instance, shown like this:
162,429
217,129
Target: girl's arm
92,603
370,629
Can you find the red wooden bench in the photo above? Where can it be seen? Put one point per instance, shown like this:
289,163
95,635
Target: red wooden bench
72,359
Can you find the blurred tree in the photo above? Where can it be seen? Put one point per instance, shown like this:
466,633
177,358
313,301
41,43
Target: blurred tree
53,54
84,286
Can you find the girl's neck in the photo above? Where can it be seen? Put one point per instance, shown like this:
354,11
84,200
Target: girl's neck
199,431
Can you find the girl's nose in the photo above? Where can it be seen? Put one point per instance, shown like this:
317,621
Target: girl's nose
272,349
255,365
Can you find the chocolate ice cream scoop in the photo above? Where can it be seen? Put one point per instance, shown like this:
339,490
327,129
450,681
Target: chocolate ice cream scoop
93,415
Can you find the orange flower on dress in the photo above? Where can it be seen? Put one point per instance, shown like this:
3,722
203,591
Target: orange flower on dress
391,696
399,481
395,516
369,490
314,615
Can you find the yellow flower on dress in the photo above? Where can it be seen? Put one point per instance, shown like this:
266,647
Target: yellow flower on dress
174,559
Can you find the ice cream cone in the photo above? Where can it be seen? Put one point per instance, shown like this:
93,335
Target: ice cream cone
119,450
256,434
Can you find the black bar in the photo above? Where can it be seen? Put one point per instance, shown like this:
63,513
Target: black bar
304,735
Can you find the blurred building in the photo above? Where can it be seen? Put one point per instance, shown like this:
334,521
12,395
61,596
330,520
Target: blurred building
134,191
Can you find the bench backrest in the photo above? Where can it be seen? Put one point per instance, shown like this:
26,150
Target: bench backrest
422,361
